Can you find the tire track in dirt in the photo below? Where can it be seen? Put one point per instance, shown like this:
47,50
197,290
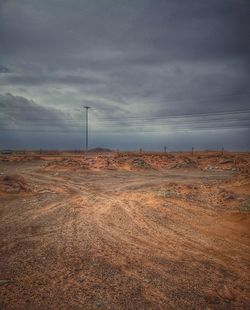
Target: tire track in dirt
109,241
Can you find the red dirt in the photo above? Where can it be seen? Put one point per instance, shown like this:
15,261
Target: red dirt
125,231
144,161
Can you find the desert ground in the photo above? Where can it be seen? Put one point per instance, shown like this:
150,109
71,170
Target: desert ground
123,230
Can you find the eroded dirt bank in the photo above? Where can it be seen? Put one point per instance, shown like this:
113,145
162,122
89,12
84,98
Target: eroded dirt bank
147,238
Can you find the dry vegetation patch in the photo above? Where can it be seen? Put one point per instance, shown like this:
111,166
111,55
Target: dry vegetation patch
13,184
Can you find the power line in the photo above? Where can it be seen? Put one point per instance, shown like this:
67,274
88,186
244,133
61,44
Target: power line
132,131
122,124
197,114
215,118
136,124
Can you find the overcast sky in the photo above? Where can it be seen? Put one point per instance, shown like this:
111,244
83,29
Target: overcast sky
154,72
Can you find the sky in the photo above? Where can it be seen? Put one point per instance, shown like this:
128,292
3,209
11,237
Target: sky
155,73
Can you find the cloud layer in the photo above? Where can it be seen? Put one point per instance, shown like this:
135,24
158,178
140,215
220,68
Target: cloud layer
147,66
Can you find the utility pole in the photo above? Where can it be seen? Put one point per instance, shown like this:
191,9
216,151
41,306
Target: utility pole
87,127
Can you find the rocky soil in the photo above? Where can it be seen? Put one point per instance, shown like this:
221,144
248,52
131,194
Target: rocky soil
125,231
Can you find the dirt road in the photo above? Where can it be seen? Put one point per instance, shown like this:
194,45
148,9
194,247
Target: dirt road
168,239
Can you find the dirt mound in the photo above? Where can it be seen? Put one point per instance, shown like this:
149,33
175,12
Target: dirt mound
65,164
229,161
99,162
157,161
19,158
128,161
13,184
184,162
140,163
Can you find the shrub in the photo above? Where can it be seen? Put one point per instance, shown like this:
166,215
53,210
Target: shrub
167,193
245,206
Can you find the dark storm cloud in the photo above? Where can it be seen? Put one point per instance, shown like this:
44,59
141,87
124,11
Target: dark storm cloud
144,59
143,31
16,111
41,79
4,69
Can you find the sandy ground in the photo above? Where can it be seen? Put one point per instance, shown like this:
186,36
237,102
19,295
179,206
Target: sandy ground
133,232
